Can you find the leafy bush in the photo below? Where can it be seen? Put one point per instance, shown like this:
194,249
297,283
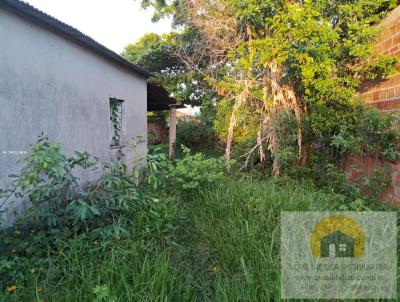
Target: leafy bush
47,179
195,170
369,132
194,134
64,215
191,171
59,200
158,165
199,133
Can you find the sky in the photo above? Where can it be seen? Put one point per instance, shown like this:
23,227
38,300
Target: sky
113,23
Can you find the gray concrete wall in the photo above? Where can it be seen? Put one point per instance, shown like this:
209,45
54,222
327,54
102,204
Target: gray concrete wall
51,85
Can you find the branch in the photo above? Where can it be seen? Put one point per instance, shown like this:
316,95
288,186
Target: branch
248,154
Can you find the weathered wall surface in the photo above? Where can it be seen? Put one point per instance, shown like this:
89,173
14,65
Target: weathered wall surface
155,131
384,95
51,85
359,167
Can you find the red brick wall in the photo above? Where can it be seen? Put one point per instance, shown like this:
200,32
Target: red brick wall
358,167
384,95
155,131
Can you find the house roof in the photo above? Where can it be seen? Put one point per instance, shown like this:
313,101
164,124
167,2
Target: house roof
42,19
337,235
158,98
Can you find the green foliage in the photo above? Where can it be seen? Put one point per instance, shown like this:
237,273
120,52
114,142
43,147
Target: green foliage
199,133
47,179
194,171
116,121
102,293
368,187
160,54
236,226
189,172
57,198
376,183
369,132
325,49
162,8
153,52
66,219
247,124
158,165
193,134
211,243
317,51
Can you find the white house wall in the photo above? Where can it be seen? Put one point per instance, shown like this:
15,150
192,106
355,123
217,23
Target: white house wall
49,84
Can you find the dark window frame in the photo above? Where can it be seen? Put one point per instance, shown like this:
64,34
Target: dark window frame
117,122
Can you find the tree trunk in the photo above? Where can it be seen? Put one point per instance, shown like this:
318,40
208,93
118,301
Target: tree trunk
172,132
278,101
232,123
260,141
229,138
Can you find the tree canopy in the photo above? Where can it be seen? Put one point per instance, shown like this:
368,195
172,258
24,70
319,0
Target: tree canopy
287,72
163,55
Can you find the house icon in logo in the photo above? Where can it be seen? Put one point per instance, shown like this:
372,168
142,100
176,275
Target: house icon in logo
337,235
337,244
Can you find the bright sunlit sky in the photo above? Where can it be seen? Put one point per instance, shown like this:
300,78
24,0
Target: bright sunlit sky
113,23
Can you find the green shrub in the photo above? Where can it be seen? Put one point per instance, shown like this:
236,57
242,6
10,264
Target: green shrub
47,179
193,171
66,216
196,134
158,167
190,171
369,132
57,198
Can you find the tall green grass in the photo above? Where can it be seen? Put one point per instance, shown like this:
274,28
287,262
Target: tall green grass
134,265
222,244
238,223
